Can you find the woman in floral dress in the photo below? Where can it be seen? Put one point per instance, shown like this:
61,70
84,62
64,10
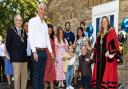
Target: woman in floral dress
61,46
80,41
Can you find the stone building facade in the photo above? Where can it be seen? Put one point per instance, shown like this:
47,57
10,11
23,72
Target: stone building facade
75,11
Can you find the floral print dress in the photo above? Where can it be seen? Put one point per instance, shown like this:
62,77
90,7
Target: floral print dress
79,43
61,48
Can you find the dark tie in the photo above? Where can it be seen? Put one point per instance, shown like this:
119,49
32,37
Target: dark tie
19,31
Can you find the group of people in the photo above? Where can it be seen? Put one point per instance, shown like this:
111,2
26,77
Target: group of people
55,54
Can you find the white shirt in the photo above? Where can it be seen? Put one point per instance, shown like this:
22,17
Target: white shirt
2,49
28,48
38,34
72,60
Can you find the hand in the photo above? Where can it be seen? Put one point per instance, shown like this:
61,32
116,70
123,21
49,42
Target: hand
91,57
87,59
107,54
35,55
111,56
64,59
74,45
52,56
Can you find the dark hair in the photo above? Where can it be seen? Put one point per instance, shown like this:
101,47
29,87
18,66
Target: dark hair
77,36
67,23
101,30
58,33
82,23
52,34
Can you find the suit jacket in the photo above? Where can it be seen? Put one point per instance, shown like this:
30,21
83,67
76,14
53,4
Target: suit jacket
15,47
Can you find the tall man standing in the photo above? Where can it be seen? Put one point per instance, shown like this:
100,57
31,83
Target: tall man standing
16,44
39,41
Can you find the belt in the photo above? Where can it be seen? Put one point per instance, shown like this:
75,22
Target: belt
40,49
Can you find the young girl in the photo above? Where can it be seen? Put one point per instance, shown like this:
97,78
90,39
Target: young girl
69,58
80,41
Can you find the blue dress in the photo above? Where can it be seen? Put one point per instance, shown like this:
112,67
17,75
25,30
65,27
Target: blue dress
8,67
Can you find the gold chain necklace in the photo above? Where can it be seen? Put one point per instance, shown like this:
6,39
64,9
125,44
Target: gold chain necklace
21,35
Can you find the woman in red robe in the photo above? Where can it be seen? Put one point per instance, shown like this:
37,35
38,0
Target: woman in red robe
106,51
50,74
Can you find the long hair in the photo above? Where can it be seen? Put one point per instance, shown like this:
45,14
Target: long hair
77,36
102,29
58,34
52,34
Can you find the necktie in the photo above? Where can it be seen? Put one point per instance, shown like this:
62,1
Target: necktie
19,31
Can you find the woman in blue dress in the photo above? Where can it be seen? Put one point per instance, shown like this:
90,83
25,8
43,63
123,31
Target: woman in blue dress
8,68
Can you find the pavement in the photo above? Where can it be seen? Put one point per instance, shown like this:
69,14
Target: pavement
5,86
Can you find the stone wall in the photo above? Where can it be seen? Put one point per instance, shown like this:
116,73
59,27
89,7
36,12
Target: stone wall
73,11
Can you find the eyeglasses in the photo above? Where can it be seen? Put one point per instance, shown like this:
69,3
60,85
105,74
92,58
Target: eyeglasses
18,20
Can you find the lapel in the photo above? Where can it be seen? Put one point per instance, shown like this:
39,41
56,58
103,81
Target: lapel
15,30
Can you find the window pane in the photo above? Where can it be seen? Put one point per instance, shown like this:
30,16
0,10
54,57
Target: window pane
97,25
112,20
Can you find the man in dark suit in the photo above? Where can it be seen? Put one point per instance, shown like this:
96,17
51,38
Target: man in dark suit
16,44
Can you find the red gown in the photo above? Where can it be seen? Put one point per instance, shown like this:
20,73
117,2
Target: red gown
50,74
105,69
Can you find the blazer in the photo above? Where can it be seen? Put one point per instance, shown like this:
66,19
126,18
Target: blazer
16,48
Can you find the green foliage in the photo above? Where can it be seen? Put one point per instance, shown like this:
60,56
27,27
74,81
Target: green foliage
8,8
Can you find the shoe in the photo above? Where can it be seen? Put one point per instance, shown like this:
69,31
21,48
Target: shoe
59,85
67,88
62,84
70,87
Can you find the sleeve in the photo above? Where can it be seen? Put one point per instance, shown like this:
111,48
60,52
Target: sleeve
56,43
66,45
25,39
113,45
74,59
9,38
73,39
31,34
54,49
6,53
79,68
48,41
94,52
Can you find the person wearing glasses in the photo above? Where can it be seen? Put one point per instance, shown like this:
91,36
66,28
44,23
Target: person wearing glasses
16,44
